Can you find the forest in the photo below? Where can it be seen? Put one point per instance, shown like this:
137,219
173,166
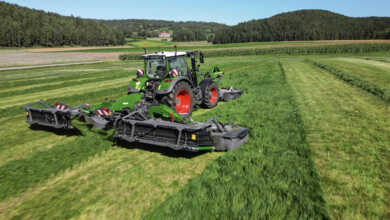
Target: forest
24,27
306,25
181,31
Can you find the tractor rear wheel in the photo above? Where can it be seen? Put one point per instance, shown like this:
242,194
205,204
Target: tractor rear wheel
210,95
181,99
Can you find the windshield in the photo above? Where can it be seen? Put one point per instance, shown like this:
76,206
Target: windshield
178,63
155,68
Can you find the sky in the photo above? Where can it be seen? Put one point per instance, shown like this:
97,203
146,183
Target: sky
228,12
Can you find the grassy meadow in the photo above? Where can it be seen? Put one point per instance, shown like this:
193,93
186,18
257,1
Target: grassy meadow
318,147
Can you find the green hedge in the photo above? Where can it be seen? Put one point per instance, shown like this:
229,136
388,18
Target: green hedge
377,90
270,177
297,50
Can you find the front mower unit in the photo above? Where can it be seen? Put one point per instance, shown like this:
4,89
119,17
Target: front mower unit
196,136
227,94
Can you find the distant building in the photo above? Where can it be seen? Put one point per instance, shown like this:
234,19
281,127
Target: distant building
164,35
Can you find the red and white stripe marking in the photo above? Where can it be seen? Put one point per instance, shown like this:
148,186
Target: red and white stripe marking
103,112
175,72
61,107
140,72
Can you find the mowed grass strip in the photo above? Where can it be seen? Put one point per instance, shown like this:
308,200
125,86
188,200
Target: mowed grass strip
28,160
272,176
370,81
374,72
349,132
61,85
18,175
61,92
23,78
19,141
120,183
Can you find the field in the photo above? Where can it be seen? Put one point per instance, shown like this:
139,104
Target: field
318,148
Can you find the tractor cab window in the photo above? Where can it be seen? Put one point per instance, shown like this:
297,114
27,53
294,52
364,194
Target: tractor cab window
178,63
155,68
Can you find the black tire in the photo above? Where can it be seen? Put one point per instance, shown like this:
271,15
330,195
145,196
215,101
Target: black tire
170,99
210,95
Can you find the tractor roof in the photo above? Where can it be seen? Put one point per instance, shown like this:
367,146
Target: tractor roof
166,54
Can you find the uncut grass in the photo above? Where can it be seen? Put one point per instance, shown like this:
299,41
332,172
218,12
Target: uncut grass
349,132
272,176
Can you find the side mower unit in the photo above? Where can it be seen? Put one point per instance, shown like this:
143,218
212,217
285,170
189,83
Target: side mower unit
58,116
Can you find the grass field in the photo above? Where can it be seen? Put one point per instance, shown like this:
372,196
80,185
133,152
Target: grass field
161,45
349,131
318,148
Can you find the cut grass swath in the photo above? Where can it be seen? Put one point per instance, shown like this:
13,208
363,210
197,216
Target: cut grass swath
381,92
272,176
18,175
348,130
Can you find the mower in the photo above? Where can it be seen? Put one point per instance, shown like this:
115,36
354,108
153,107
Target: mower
157,108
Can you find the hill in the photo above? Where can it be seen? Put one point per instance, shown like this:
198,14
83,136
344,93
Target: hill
306,25
21,26
182,31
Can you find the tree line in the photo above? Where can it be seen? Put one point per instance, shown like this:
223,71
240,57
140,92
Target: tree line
24,27
181,31
306,25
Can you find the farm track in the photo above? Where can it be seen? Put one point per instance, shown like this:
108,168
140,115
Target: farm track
349,131
47,65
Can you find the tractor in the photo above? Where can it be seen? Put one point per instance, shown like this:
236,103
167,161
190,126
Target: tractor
167,76
157,108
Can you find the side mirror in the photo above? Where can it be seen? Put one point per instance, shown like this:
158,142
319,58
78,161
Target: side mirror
140,73
201,57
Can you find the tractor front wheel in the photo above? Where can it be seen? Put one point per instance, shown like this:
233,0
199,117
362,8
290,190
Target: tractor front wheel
181,99
210,95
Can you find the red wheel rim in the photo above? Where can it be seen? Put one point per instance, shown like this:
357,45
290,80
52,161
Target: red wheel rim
183,102
214,95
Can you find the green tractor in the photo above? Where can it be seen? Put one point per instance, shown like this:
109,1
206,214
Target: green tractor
167,76
157,108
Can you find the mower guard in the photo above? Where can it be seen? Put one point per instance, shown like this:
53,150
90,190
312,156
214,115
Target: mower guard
227,94
50,116
97,121
196,136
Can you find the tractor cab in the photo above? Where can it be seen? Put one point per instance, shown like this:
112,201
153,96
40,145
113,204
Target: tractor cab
166,64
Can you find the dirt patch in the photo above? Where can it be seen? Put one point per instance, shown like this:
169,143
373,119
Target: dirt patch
21,58
59,49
